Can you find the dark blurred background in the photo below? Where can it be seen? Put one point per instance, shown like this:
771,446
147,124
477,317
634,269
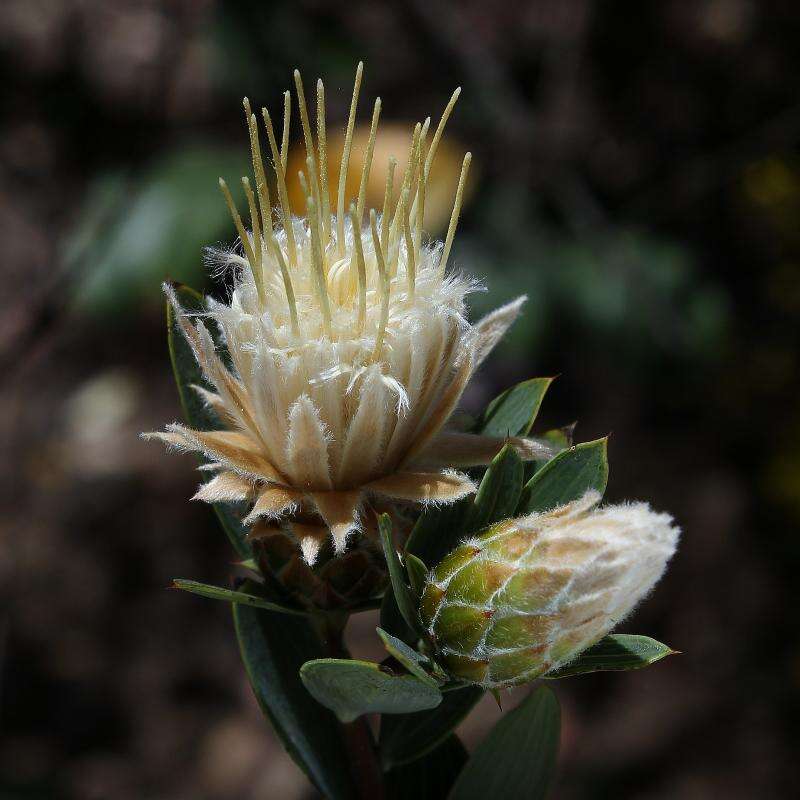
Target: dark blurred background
638,176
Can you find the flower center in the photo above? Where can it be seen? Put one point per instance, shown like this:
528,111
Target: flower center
339,274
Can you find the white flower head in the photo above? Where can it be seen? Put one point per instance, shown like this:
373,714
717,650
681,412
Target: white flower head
348,341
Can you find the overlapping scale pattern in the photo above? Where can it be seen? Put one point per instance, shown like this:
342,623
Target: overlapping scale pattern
530,594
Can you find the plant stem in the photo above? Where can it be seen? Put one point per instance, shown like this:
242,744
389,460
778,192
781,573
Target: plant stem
360,744
363,760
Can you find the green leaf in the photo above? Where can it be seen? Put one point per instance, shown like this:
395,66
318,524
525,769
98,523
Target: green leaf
231,523
231,596
430,778
560,438
197,414
513,412
498,493
402,593
617,652
392,620
184,364
274,647
407,737
417,573
567,477
162,218
437,531
440,528
516,761
407,656
351,688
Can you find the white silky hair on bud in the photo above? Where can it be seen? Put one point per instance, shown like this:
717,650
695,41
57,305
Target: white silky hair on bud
627,549
348,339
631,539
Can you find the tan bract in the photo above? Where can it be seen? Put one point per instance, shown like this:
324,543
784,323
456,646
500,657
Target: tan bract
348,342
532,593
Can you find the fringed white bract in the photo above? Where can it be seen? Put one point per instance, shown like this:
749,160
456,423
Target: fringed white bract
532,593
349,343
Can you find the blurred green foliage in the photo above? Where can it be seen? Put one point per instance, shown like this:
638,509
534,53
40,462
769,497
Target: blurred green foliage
135,231
641,293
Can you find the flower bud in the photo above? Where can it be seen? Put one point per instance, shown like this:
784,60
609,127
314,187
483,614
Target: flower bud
529,594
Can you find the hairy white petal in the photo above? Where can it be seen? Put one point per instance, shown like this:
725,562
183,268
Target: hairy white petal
211,466
311,538
307,446
340,511
272,503
229,449
424,487
365,434
228,487
442,409
491,329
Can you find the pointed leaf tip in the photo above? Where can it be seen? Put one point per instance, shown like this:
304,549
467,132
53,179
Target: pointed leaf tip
618,652
407,656
402,593
233,596
567,477
513,412
499,491
417,573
